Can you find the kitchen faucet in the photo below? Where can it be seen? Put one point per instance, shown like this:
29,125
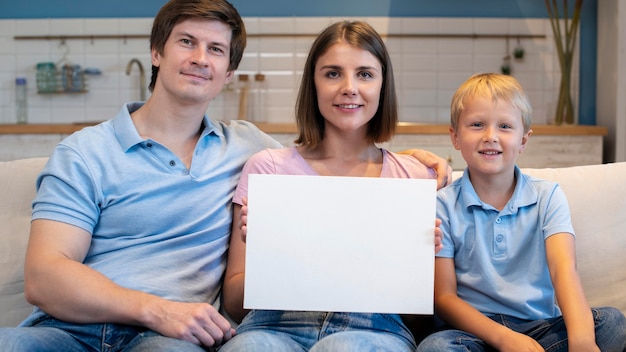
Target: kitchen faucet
142,77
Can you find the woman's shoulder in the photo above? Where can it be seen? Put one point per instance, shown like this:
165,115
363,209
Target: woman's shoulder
274,154
273,160
404,165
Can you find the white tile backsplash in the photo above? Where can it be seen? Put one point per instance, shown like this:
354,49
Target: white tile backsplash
428,69
455,26
491,26
529,26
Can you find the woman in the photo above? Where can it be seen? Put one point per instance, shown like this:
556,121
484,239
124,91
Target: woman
346,105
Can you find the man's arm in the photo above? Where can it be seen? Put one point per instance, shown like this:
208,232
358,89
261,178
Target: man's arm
433,161
59,283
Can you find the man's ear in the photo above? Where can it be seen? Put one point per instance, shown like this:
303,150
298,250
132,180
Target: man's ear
229,76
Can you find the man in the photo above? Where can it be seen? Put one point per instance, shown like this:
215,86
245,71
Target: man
132,217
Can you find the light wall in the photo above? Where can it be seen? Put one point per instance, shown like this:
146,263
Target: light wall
428,70
611,80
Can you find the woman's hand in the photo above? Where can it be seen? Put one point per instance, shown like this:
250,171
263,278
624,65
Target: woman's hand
438,236
243,220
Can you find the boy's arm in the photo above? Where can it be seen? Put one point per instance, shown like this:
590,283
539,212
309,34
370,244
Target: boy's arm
233,287
461,315
561,257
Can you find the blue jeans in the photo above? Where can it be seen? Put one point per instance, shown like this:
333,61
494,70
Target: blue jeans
280,331
50,335
549,333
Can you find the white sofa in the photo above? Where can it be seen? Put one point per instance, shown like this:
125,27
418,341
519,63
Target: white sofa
596,195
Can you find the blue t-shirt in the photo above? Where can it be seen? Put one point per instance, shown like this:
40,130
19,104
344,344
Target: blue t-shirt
500,256
156,226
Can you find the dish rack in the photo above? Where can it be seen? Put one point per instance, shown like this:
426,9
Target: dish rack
67,79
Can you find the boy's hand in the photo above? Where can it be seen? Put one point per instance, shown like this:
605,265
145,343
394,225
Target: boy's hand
516,342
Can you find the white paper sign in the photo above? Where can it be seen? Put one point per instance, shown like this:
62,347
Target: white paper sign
340,244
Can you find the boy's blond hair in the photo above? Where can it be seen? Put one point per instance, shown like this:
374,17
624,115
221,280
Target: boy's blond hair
499,87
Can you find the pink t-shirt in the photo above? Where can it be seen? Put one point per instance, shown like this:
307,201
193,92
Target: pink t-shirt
288,161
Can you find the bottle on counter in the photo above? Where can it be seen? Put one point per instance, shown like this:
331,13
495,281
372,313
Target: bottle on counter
21,108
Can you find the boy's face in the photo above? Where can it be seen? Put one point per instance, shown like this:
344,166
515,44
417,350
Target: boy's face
490,135
195,60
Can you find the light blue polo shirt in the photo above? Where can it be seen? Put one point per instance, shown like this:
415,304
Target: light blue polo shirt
156,226
500,256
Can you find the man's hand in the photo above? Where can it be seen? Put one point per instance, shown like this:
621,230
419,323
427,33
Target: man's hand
433,161
198,323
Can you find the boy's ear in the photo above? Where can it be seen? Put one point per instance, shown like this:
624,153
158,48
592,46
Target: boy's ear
525,140
454,137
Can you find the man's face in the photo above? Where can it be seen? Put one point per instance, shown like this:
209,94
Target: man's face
194,64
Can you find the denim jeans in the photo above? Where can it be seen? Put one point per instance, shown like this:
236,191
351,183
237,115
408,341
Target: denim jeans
279,331
610,329
51,335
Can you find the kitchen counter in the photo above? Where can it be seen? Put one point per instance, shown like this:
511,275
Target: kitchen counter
550,146
271,128
424,128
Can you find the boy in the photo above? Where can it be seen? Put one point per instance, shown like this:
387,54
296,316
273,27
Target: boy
508,247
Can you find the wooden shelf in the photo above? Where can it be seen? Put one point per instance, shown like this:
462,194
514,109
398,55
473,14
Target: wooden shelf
288,128
36,128
93,37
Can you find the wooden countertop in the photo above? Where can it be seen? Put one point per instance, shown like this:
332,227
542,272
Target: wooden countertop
403,128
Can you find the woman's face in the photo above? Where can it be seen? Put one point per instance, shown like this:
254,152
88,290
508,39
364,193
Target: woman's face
348,81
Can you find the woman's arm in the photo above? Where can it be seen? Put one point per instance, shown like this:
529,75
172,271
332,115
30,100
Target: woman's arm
235,270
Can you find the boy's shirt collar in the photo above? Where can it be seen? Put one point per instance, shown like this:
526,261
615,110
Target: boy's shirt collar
523,195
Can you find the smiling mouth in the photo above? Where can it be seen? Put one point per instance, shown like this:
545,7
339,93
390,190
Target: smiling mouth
348,106
490,152
196,75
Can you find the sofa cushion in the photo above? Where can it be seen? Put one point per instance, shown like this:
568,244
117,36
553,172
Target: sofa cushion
17,179
597,203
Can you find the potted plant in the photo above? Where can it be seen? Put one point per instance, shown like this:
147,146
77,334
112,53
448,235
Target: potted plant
565,40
